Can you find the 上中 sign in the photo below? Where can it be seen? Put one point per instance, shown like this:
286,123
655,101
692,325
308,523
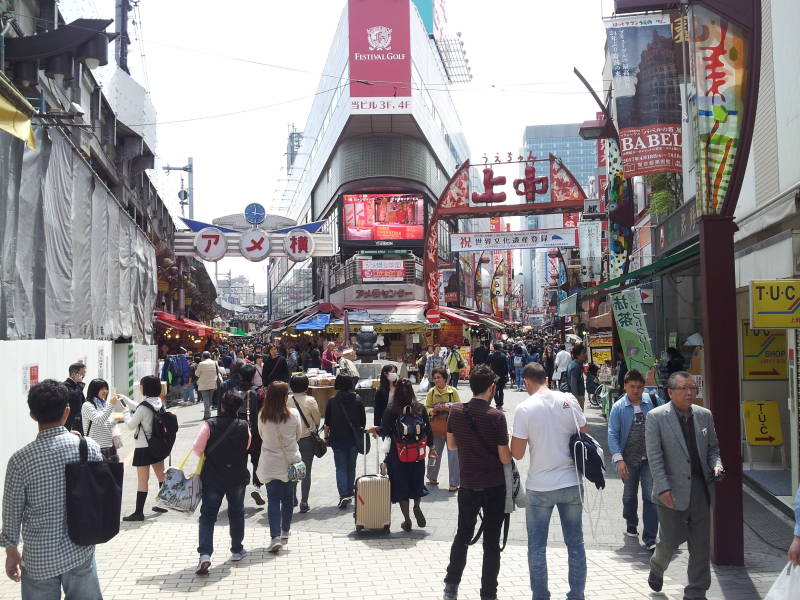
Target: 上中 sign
763,424
382,270
764,353
632,330
299,244
775,303
210,244
514,240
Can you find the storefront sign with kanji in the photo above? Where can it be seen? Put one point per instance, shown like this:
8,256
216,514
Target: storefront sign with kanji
382,270
632,330
514,240
299,245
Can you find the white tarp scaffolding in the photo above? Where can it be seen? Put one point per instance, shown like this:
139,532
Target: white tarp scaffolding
74,264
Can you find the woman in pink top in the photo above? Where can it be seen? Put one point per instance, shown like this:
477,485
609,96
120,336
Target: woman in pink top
329,357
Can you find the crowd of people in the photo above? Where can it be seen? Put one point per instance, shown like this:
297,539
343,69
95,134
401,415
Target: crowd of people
265,416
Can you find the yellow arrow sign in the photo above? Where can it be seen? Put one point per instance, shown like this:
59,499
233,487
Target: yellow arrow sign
764,353
763,424
775,303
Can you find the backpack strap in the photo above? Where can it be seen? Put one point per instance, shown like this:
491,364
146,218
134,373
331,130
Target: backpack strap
218,441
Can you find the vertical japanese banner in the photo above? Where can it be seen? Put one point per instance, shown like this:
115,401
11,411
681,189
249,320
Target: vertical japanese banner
632,330
719,55
645,67
589,236
495,286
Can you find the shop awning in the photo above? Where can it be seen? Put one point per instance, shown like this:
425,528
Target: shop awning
600,321
456,316
316,322
483,319
620,282
168,320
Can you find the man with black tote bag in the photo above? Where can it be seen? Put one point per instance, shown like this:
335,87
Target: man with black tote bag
35,501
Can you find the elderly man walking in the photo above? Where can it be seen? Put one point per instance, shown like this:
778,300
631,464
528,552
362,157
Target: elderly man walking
683,453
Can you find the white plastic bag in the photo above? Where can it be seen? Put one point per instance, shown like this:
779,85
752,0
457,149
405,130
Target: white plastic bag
423,385
787,585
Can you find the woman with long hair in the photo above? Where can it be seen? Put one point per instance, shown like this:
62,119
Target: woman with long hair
275,366
95,414
385,393
279,427
549,363
407,478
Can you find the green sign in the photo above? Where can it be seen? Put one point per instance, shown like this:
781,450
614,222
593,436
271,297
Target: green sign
632,330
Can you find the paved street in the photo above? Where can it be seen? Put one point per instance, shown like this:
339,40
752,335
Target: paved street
326,560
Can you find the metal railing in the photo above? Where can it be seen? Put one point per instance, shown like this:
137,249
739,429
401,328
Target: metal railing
349,273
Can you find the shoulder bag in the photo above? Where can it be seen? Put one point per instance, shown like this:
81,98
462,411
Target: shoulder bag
320,447
363,443
182,493
297,470
439,421
93,498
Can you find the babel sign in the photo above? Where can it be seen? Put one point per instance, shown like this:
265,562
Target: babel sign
775,304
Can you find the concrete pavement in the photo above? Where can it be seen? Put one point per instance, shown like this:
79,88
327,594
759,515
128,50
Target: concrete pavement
326,560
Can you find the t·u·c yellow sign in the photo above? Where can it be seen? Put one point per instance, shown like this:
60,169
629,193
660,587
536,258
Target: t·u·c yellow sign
775,304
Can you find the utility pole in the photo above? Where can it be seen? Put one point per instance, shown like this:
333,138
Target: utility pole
123,7
188,168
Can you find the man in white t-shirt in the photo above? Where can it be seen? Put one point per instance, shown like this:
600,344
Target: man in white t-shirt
562,360
544,423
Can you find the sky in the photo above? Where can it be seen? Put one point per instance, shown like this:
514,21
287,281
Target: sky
258,64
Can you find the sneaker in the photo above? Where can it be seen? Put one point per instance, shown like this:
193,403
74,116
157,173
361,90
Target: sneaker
237,556
405,525
632,531
304,507
134,517
450,591
655,582
204,565
650,546
452,488
256,495
344,502
421,522
275,545
285,539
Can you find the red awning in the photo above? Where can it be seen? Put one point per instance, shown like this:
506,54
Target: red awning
165,319
457,316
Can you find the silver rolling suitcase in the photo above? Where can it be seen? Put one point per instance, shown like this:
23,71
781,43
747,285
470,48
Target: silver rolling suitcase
373,504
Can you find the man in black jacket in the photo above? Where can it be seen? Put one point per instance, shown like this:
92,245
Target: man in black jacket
74,383
480,356
498,362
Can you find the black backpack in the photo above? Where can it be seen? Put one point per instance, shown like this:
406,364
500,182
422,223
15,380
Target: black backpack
588,457
410,427
165,429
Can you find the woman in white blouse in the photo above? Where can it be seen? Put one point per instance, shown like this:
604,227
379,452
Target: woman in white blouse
96,415
279,427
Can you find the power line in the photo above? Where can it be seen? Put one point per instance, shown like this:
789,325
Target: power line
137,23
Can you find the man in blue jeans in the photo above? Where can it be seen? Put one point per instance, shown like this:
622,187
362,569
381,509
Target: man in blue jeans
544,423
626,441
34,505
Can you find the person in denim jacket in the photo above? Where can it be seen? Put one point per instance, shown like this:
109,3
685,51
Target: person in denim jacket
626,441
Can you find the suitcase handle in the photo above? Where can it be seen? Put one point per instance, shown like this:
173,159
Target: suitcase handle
377,455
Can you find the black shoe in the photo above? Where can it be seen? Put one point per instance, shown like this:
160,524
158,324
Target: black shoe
405,525
421,522
632,531
259,499
134,517
655,582
158,509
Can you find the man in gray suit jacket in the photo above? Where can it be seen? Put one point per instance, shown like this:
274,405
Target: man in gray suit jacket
683,453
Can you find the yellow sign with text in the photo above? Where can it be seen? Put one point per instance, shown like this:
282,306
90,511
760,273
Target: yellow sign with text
764,353
763,424
775,303
600,355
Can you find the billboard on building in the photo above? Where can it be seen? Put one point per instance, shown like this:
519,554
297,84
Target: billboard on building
380,53
383,219
645,64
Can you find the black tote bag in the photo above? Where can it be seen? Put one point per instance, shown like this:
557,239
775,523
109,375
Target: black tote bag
94,499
